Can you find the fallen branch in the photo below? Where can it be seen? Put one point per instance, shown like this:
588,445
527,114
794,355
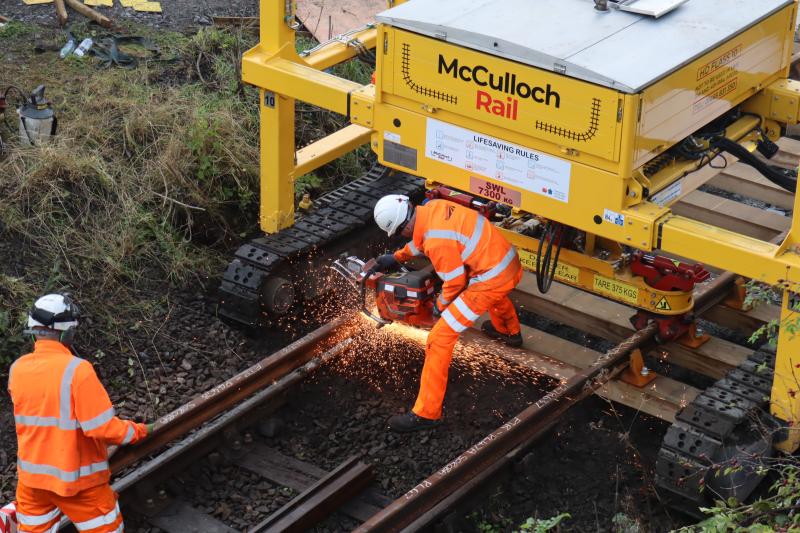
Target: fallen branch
4,19
90,13
61,12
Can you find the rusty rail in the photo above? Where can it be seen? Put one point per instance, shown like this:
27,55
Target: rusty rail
320,500
223,396
419,506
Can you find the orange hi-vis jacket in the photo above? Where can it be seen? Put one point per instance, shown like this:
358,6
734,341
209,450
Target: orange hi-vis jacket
64,420
463,246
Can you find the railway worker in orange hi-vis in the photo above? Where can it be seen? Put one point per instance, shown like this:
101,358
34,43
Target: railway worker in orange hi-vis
64,421
478,267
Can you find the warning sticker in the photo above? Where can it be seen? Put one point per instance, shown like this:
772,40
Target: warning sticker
668,195
616,289
717,79
498,193
564,272
497,159
663,305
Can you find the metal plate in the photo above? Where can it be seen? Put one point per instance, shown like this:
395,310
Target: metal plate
617,49
653,8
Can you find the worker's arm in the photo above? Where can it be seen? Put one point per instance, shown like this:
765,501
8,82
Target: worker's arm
408,252
95,413
446,260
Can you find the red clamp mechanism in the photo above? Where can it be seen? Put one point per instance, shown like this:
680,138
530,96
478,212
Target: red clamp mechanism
664,274
483,207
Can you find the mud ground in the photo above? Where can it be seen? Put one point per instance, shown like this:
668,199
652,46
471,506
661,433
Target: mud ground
177,14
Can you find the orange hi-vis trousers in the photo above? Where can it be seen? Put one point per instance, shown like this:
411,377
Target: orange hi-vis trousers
466,308
93,510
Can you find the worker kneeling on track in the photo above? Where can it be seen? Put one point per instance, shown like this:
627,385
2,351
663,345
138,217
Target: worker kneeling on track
64,420
478,267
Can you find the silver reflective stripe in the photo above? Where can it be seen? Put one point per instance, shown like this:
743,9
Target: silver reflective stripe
452,322
468,313
99,420
443,301
497,270
45,422
121,528
446,234
453,274
65,394
128,435
414,251
63,475
103,520
474,240
37,520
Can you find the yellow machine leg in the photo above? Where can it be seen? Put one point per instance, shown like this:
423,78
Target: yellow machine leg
277,162
786,387
277,122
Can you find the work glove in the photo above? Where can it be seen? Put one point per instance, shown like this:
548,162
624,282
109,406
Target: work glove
150,428
437,313
384,263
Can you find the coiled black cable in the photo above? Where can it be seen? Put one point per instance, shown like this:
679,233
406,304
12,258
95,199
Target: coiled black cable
546,265
772,174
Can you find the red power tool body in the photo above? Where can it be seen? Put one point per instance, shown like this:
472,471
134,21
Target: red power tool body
406,297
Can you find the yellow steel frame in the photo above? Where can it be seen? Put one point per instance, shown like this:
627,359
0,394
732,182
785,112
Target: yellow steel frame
283,76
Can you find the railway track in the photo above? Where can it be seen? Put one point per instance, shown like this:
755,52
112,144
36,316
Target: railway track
220,421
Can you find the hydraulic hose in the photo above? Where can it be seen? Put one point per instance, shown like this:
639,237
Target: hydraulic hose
775,176
546,264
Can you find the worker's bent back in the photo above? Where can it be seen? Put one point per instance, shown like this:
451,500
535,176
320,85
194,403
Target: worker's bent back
64,421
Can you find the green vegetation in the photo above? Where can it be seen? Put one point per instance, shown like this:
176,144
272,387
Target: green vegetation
14,30
531,525
153,176
779,510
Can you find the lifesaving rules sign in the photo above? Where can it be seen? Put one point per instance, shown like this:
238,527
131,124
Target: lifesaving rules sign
499,160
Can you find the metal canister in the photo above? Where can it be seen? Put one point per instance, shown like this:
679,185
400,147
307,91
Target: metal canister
37,120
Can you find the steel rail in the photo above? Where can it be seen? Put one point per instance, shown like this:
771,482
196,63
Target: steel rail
193,443
320,500
420,505
222,397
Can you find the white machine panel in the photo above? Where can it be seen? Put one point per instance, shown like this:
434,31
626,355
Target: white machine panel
618,49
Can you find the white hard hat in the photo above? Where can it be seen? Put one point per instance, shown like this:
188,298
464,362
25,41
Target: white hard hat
391,212
54,311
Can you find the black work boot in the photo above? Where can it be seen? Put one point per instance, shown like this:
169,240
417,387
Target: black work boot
515,341
408,422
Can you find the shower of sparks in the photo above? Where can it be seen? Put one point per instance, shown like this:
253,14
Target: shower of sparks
391,357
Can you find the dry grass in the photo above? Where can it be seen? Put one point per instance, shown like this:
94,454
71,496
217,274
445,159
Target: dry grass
151,175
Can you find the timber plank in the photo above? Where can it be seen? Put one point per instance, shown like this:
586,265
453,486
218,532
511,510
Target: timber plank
747,181
610,320
327,18
745,321
733,216
180,517
561,359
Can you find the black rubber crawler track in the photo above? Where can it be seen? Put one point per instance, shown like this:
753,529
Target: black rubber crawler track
341,221
727,425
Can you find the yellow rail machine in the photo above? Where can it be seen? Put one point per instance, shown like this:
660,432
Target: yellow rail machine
575,124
